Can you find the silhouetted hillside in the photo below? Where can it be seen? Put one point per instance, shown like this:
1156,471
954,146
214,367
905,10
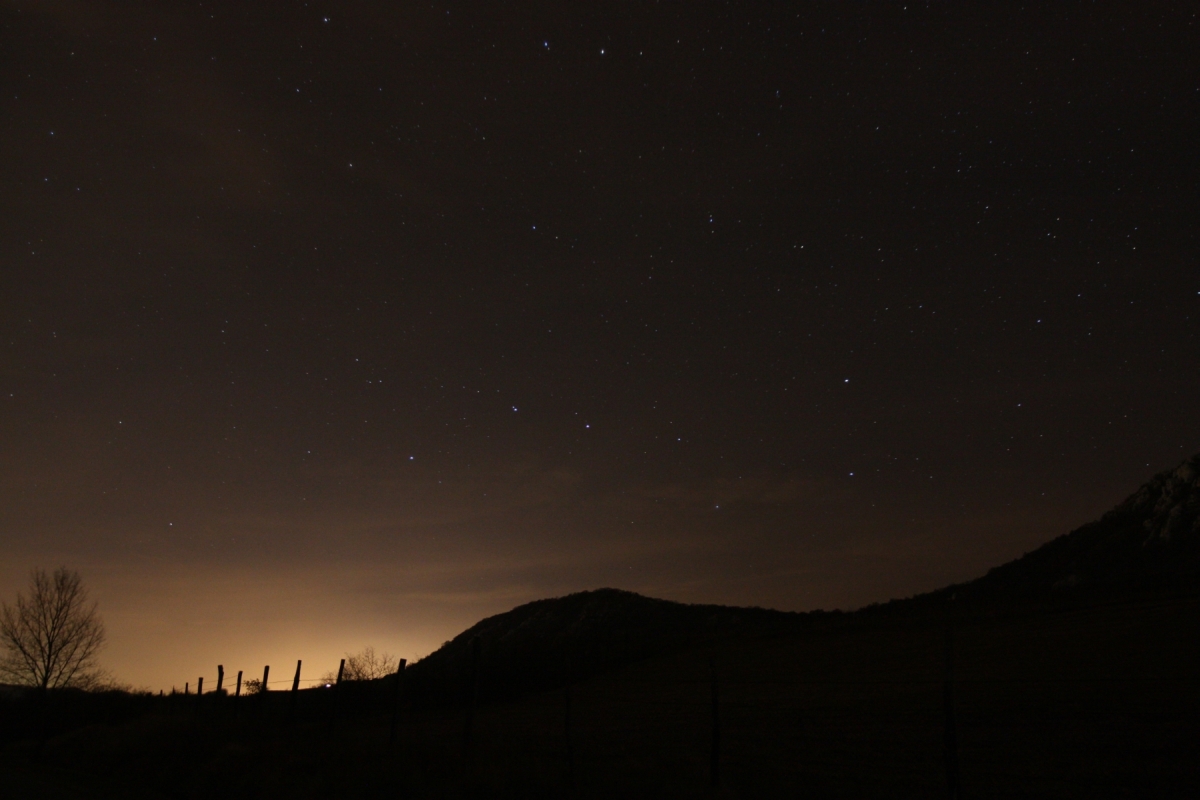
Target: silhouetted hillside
540,644
1151,539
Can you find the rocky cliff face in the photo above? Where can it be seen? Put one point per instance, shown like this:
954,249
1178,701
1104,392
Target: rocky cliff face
1152,537
1169,504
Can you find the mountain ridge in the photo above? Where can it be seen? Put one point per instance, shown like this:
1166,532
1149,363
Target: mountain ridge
1150,539
1152,535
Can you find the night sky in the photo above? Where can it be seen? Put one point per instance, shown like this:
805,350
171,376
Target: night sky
334,324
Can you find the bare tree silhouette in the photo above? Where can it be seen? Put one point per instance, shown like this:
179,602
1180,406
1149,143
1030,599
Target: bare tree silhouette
52,636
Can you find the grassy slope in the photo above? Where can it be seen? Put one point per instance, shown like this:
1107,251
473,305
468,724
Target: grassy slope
1084,702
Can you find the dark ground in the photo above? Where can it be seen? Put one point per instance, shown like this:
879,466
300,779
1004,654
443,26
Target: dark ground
1080,699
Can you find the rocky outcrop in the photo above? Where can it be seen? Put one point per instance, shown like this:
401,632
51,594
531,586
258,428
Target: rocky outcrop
1151,537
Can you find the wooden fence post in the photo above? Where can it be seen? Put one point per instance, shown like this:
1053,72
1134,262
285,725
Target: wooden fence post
200,686
295,690
951,731
714,763
396,699
263,689
220,678
473,695
237,705
335,700
187,687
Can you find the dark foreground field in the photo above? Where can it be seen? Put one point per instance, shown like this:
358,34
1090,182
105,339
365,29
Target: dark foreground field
1095,700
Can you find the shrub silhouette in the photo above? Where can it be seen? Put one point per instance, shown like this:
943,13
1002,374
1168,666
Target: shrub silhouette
365,665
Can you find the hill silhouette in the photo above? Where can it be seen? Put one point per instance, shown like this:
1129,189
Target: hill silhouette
549,642
1148,542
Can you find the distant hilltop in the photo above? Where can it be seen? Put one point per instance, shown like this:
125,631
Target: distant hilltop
550,642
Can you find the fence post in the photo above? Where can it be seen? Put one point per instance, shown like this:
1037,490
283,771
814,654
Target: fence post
220,678
952,783
714,764
295,690
335,700
396,699
266,672
187,688
476,645
200,686
238,693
